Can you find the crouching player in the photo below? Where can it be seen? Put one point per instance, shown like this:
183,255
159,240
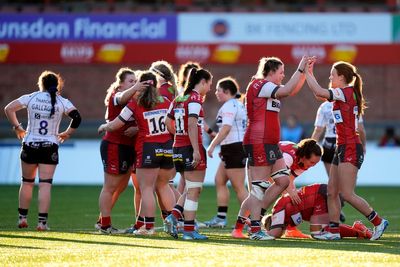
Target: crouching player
314,209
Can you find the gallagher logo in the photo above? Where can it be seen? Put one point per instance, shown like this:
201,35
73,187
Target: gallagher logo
220,28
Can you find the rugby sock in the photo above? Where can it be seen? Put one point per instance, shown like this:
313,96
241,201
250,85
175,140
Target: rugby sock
334,227
43,218
347,231
262,213
188,226
164,214
374,218
149,222
290,228
23,213
222,211
240,222
139,222
177,211
255,226
105,222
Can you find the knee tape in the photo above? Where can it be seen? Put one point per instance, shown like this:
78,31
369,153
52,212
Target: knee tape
190,205
26,180
258,188
49,181
280,173
190,184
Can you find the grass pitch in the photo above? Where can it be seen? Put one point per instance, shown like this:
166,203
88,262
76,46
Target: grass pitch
73,240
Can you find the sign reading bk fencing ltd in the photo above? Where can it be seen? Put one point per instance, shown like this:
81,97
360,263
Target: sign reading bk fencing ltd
43,27
268,28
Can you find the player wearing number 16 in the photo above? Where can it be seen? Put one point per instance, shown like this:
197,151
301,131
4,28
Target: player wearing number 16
153,148
40,141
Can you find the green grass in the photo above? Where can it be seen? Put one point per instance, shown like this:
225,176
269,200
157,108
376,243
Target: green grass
73,240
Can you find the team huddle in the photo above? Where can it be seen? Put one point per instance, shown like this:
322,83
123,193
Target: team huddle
154,130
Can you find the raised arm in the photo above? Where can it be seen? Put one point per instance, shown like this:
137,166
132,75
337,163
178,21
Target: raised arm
124,97
295,83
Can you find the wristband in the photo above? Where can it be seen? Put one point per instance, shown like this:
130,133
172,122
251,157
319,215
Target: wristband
209,131
16,126
300,70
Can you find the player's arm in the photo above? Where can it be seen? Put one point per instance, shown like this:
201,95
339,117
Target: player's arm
363,135
76,120
11,114
221,135
295,83
317,133
123,97
292,192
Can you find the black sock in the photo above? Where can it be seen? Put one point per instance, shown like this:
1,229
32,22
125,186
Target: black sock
23,213
222,211
333,225
43,217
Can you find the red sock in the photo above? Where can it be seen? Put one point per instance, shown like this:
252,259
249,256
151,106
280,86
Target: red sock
105,221
376,220
188,226
177,214
139,222
289,227
149,222
240,222
347,231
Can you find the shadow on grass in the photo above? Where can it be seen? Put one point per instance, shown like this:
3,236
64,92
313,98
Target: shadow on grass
58,239
12,246
388,244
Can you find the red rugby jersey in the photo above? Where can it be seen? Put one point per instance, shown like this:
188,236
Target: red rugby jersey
345,115
166,90
118,137
181,109
151,122
263,126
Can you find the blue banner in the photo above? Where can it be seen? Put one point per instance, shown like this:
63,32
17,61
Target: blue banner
53,27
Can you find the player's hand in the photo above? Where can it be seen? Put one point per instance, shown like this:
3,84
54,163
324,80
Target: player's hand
302,63
294,197
102,128
131,131
196,158
20,132
62,137
210,151
310,65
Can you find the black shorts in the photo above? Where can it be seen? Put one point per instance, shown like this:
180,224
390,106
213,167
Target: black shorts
183,159
233,155
262,154
116,158
352,153
39,153
155,155
328,154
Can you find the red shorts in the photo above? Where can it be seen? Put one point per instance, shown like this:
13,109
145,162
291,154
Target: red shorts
183,158
352,153
262,154
116,158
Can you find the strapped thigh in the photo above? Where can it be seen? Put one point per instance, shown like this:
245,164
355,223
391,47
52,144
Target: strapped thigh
280,173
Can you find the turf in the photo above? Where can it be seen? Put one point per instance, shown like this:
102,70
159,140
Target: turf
73,240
